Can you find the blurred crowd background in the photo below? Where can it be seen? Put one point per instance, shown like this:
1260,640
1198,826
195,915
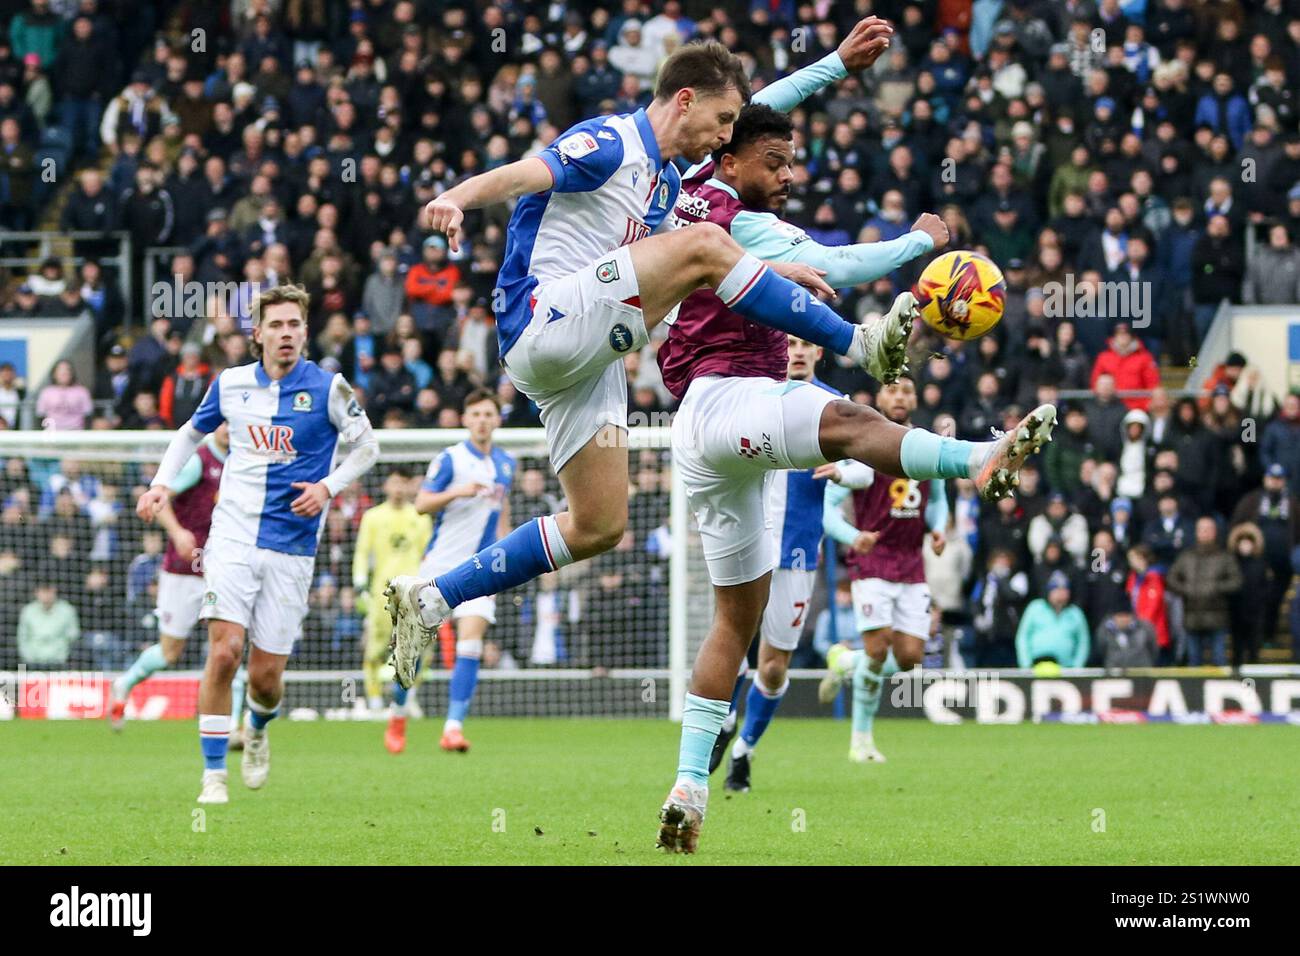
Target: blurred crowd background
1076,143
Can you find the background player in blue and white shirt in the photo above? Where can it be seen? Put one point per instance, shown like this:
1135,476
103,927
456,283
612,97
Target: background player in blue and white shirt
286,419
592,200
467,491
793,506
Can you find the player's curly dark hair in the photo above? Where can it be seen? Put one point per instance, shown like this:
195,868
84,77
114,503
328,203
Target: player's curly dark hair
756,121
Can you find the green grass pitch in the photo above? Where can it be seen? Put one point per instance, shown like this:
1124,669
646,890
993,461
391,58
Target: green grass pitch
552,791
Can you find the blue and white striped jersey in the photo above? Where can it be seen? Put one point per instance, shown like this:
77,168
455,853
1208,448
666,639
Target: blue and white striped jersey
793,506
466,525
611,188
281,432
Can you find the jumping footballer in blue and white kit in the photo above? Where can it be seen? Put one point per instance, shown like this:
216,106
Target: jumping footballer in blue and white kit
467,491
593,262
286,420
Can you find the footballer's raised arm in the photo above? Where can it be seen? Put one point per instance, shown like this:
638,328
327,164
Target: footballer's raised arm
767,237
581,160
860,49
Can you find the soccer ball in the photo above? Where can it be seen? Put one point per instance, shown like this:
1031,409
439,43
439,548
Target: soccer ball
961,294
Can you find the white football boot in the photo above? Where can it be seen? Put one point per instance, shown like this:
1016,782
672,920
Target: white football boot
214,787
411,634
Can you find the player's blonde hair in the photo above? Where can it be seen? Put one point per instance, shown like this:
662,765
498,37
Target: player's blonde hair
275,296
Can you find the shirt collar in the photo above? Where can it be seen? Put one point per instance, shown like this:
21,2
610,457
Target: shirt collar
294,374
719,184
648,137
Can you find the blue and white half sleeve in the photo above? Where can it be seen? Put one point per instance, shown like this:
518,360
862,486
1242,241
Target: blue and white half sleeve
583,158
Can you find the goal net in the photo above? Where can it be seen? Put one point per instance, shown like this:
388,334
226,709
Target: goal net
614,636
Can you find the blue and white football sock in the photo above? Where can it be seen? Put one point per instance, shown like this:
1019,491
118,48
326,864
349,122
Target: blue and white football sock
214,737
259,716
151,660
758,293
760,708
464,678
867,685
701,721
529,551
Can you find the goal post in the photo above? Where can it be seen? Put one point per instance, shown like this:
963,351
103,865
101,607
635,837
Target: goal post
612,636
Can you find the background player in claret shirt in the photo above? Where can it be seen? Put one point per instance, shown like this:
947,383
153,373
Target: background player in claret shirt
794,515
287,418
739,419
594,197
390,541
186,519
891,600
466,489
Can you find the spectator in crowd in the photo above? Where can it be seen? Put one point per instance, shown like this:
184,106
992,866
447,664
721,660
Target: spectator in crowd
384,293
1146,587
47,627
1280,442
1070,448
17,172
1059,521
12,395
1273,277
183,390
1124,640
998,600
64,404
1127,361
1106,420
1274,511
1218,267
1206,576
1248,614
391,385
1053,629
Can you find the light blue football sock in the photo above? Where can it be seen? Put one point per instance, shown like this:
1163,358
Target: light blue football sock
238,688
701,720
758,293
529,551
867,687
926,455
760,708
464,677
151,659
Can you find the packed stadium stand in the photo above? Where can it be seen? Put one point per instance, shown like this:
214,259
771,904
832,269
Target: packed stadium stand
151,149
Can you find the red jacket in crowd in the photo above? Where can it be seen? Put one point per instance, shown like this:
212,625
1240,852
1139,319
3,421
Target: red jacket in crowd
432,288
1134,370
1148,594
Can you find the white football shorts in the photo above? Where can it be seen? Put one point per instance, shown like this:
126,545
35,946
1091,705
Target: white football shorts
879,603
568,360
787,607
179,598
264,591
728,434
